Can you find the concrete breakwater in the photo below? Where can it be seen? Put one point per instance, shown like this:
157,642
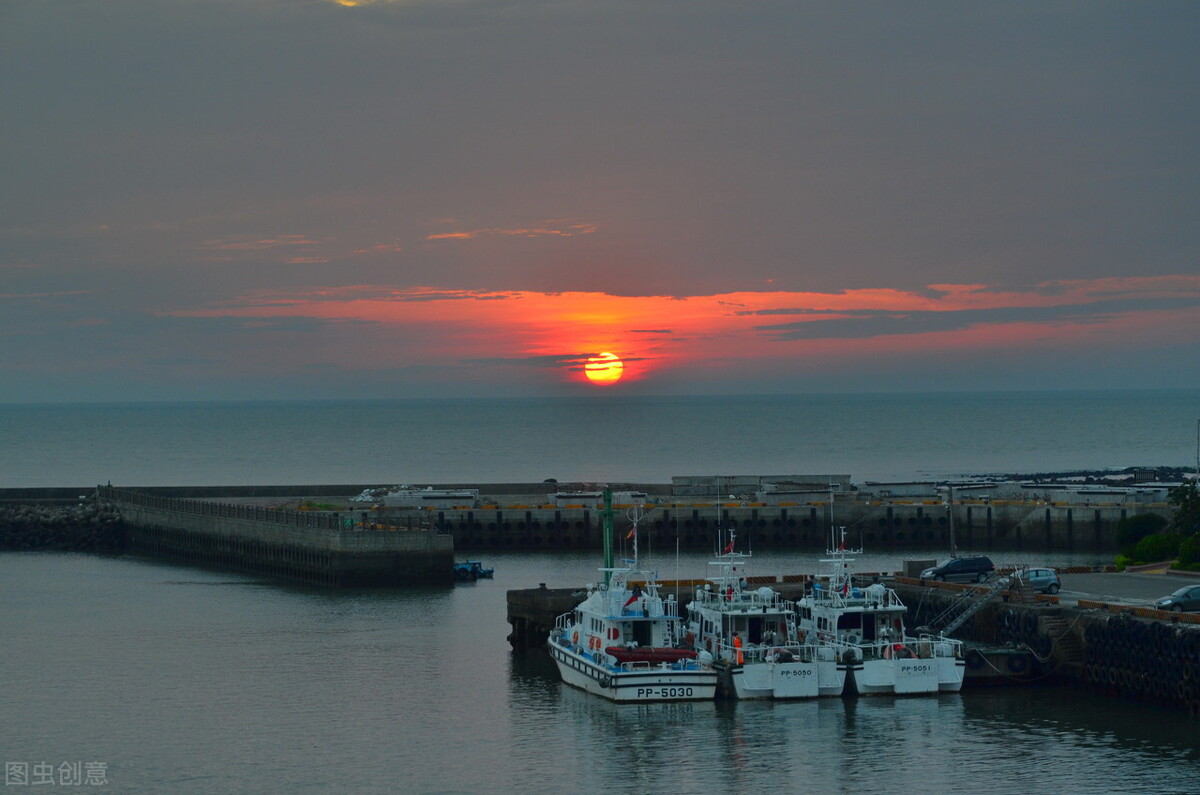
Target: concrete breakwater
999,525
85,526
518,516
318,548
1112,650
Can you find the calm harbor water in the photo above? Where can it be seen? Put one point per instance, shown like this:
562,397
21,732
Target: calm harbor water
609,439
182,679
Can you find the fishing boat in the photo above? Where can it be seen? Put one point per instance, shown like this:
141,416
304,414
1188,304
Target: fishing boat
624,642
471,570
866,627
757,649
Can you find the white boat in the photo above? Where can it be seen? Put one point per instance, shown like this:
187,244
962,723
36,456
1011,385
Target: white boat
757,649
866,626
625,642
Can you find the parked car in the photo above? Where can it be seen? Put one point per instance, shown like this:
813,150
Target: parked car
1043,580
1183,600
975,568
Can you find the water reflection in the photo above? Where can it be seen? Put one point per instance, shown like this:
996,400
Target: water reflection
1039,739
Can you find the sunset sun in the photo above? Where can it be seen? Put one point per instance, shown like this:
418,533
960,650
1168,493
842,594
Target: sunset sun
604,369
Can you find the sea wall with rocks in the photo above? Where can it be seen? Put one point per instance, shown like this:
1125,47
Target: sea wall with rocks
89,526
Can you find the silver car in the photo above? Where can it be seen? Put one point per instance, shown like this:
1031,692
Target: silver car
1185,599
1043,580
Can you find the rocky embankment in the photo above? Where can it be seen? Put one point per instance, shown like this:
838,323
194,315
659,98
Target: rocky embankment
87,527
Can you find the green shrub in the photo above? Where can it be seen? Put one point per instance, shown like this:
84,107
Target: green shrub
1122,561
1133,529
1160,546
1186,500
1189,552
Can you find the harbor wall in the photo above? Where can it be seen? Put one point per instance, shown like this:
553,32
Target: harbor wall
996,525
319,548
1115,651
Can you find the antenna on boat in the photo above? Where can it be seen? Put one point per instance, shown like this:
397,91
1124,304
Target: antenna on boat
608,531
832,526
950,510
634,514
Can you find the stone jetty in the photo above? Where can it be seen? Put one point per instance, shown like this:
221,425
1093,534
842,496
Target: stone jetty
87,526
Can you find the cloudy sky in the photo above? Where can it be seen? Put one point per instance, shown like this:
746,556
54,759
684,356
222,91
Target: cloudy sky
256,199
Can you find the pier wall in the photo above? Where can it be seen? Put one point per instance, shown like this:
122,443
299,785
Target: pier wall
309,547
1116,651
879,525
515,516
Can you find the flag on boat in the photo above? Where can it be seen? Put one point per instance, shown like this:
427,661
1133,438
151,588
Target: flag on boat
846,587
636,593
632,532
729,547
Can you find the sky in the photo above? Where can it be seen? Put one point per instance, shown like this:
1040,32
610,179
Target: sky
312,199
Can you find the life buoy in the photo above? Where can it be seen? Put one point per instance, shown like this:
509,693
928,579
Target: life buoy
575,638
593,642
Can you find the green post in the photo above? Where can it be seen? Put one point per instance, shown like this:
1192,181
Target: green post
607,513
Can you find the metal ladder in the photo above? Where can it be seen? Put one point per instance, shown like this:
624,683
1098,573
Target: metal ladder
967,604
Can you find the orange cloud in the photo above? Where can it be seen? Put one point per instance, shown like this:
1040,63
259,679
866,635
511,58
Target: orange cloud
654,334
549,229
256,244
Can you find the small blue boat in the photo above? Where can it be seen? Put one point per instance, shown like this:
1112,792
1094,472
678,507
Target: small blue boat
471,570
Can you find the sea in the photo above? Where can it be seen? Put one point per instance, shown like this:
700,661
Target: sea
131,674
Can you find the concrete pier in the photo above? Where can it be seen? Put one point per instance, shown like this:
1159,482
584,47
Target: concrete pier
519,516
883,525
1113,649
319,548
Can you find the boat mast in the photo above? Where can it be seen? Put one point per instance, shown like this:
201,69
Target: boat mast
634,514
950,510
607,513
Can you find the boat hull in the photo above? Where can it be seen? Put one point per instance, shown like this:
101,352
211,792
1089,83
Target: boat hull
787,680
951,672
634,683
901,677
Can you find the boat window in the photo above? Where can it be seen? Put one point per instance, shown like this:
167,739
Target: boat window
755,630
641,633
850,621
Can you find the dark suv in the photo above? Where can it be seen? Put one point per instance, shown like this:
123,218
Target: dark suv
973,569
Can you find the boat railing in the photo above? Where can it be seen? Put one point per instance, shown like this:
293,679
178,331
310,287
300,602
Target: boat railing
564,621
644,607
857,597
735,598
777,652
943,646
683,664
922,648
